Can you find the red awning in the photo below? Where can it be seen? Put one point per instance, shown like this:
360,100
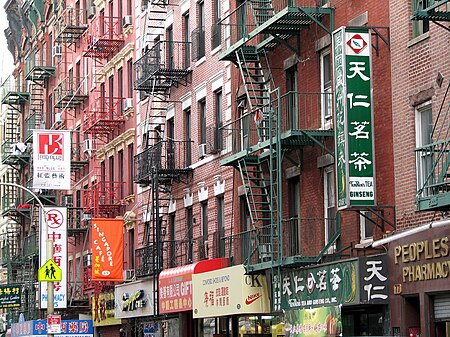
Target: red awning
175,284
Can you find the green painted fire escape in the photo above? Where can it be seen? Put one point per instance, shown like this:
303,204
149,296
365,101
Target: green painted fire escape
257,27
433,160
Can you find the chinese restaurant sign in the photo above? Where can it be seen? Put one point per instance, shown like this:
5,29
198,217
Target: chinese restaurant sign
317,322
355,166
374,279
326,285
51,159
70,328
57,232
107,250
103,309
229,291
10,295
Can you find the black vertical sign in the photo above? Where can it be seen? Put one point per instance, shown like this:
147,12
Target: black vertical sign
374,282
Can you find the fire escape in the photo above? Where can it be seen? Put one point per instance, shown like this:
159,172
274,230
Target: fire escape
266,129
103,121
433,160
163,160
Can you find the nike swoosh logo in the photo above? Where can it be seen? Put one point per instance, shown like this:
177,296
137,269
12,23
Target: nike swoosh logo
248,302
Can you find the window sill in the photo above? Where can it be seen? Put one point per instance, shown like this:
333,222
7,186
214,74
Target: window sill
216,50
200,61
418,39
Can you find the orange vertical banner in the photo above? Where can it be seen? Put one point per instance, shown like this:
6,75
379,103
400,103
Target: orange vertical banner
107,250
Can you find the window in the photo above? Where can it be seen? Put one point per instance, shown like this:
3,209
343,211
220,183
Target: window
170,144
186,42
216,36
245,229
294,216
190,232
170,46
119,13
220,226
121,174
366,226
329,206
325,88
131,169
219,120
245,123
131,247
172,255
130,78
187,131
291,88
419,27
242,18
85,75
120,89
198,34
111,168
202,121
424,129
204,206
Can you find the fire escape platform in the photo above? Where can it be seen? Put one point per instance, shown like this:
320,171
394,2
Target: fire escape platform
436,202
432,12
103,126
102,48
282,25
16,98
39,74
70,33
290,138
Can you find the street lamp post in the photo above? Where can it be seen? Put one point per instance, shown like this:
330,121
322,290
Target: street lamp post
49,248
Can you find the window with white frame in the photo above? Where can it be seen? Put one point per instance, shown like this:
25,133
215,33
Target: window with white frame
424,158
326,89
329,204
366,226
420,27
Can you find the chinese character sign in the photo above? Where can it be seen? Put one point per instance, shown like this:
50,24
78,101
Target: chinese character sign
56,223
74,328
321,286
374,279
355,166
51,159
317,322
103,305
107,250
10,295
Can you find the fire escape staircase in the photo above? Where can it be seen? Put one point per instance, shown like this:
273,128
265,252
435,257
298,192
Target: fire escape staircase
433,10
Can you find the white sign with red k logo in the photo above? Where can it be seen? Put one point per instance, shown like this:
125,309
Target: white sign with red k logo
51,159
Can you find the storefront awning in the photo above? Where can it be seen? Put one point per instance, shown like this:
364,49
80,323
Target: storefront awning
175,284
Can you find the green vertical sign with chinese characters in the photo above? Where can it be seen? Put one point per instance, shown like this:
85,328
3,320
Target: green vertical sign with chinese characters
355,159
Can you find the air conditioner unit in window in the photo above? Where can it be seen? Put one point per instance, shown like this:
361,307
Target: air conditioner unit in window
58,117
128,104
91,12
128,274
57,50
127,21
201,150
88,145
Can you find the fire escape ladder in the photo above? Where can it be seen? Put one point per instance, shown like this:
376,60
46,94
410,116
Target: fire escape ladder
262,10
35,114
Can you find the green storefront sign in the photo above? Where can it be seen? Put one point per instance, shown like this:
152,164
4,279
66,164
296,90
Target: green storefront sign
327,285
355,159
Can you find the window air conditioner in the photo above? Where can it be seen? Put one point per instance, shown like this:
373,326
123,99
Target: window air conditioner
126,21
58,117
128,104
128,274
202,150
91,12
87,145
57,50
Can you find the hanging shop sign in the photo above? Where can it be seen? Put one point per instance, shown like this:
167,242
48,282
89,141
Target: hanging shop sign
103,306
69,328
134,299
10,295
420,261
107,250
175,284
229,291
373,279
326,285
57,231
51,159
355,159
315,322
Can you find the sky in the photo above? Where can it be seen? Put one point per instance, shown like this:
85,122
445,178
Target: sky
6,59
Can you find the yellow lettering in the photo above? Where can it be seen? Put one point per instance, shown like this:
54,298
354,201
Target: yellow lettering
397,253
438,270
405,273
420,247
405,253
431,271
444,246
436,246
413,252
428,255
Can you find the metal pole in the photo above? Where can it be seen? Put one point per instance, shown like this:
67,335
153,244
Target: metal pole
49,249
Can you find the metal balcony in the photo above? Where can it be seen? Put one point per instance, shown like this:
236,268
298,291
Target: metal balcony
431,10
31,245
37,69
12,154
79,157
13,94
103,199
32,122
103,116
146,263
264,23
164,161
103,37
70,92
47,197
163,66
76,221
70,25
